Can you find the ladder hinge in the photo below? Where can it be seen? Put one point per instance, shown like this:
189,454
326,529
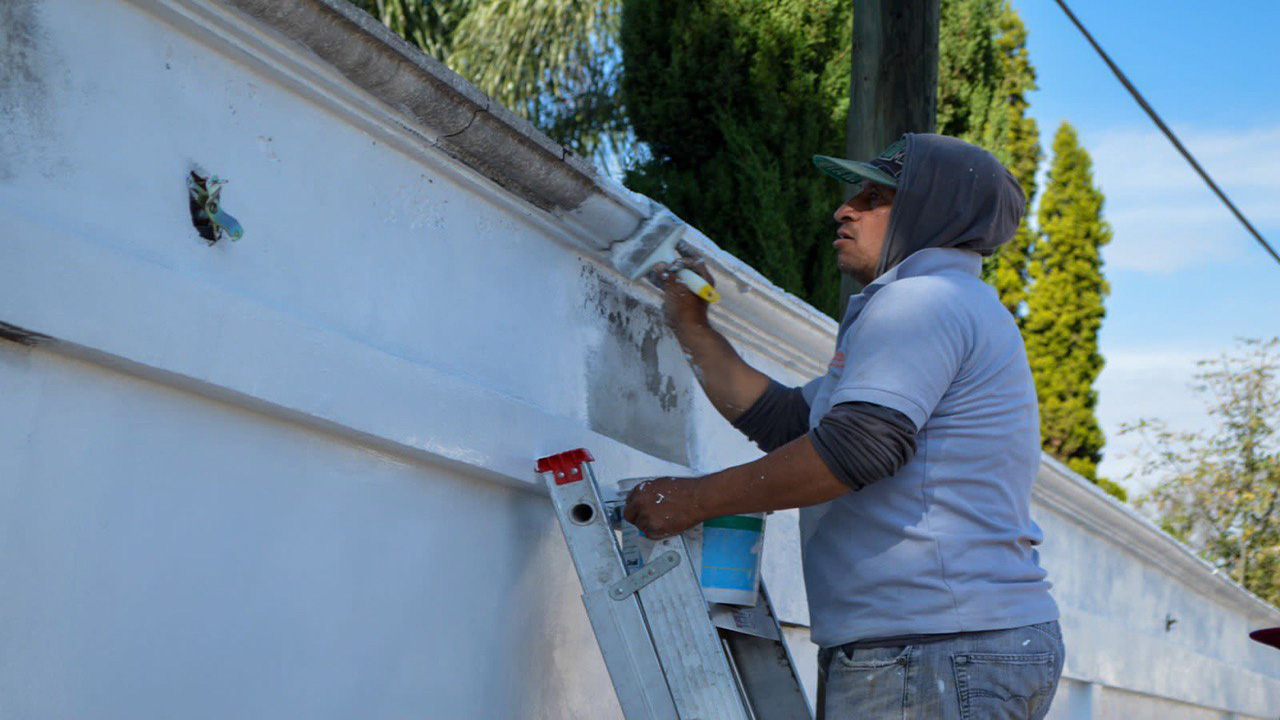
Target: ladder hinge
654,569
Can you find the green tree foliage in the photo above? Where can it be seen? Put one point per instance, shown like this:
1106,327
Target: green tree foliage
984,75
733,97
555,62
1220,492
429,25
1016,139
1065,309
968,68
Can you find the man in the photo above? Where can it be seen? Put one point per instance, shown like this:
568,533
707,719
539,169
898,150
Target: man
911,459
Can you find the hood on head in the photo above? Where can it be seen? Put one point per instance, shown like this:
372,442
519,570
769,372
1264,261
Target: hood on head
950,194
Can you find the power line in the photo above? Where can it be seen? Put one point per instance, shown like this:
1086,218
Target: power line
1169,133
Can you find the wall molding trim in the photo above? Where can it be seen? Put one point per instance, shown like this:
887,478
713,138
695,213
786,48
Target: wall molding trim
1069,494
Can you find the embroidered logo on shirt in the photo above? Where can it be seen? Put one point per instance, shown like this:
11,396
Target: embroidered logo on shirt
837,362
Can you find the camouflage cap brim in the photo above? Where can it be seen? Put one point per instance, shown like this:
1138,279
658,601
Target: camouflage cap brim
852,171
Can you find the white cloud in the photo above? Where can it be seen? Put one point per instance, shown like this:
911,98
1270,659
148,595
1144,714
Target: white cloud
1147,383
1164,217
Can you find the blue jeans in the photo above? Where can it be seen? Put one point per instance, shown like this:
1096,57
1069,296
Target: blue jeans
972,676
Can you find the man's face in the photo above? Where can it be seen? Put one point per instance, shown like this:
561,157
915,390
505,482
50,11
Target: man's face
863,221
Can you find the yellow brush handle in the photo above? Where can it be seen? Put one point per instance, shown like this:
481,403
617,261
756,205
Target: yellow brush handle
698,285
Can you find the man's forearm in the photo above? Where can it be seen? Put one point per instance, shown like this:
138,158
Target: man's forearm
732,385
792,476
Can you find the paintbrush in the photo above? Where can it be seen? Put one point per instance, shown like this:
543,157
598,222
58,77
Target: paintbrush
657,242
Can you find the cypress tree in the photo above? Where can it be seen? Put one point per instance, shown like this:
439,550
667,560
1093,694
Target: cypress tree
733,97
1065,309
741,136
1014,137
968,68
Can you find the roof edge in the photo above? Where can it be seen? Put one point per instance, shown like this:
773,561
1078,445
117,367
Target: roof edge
461,120
1063,490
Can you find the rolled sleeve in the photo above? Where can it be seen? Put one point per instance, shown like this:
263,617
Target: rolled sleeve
777,417
862,443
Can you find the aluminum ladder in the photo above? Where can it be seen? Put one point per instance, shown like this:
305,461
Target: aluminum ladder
670,655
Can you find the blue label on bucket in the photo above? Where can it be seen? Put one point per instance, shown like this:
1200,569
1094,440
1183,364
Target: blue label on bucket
729,558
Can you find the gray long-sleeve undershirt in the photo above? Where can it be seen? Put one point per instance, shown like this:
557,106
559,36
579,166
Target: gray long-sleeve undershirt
860,442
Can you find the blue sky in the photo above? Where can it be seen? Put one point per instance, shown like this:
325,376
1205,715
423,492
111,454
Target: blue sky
1186,279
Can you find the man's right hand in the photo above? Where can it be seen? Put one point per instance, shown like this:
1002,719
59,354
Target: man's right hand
730,384
683,309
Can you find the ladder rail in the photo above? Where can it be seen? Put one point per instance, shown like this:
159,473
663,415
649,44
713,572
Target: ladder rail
619,625
698,672
668,659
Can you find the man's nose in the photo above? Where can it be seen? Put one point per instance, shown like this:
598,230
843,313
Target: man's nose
845,212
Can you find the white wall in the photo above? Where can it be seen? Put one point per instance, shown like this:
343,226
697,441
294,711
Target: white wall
1119,581
292,476
166,556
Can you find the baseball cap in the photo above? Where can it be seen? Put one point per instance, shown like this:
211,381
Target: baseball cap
884,168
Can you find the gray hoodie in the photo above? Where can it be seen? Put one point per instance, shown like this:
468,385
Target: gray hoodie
950,194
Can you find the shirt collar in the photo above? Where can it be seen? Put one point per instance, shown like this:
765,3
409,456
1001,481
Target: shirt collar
928,261
931,261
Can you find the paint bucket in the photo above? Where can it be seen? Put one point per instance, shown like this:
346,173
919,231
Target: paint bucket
729,559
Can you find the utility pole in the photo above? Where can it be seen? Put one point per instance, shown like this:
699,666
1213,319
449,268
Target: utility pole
893,86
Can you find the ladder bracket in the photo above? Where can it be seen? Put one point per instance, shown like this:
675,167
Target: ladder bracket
654,569
567,466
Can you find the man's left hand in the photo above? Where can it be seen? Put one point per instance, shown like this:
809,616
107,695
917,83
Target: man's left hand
665,506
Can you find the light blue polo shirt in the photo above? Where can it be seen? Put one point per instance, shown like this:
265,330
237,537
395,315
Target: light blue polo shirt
946,544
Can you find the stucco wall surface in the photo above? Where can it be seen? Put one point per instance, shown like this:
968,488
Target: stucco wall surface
1141,631
292,476
169,556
